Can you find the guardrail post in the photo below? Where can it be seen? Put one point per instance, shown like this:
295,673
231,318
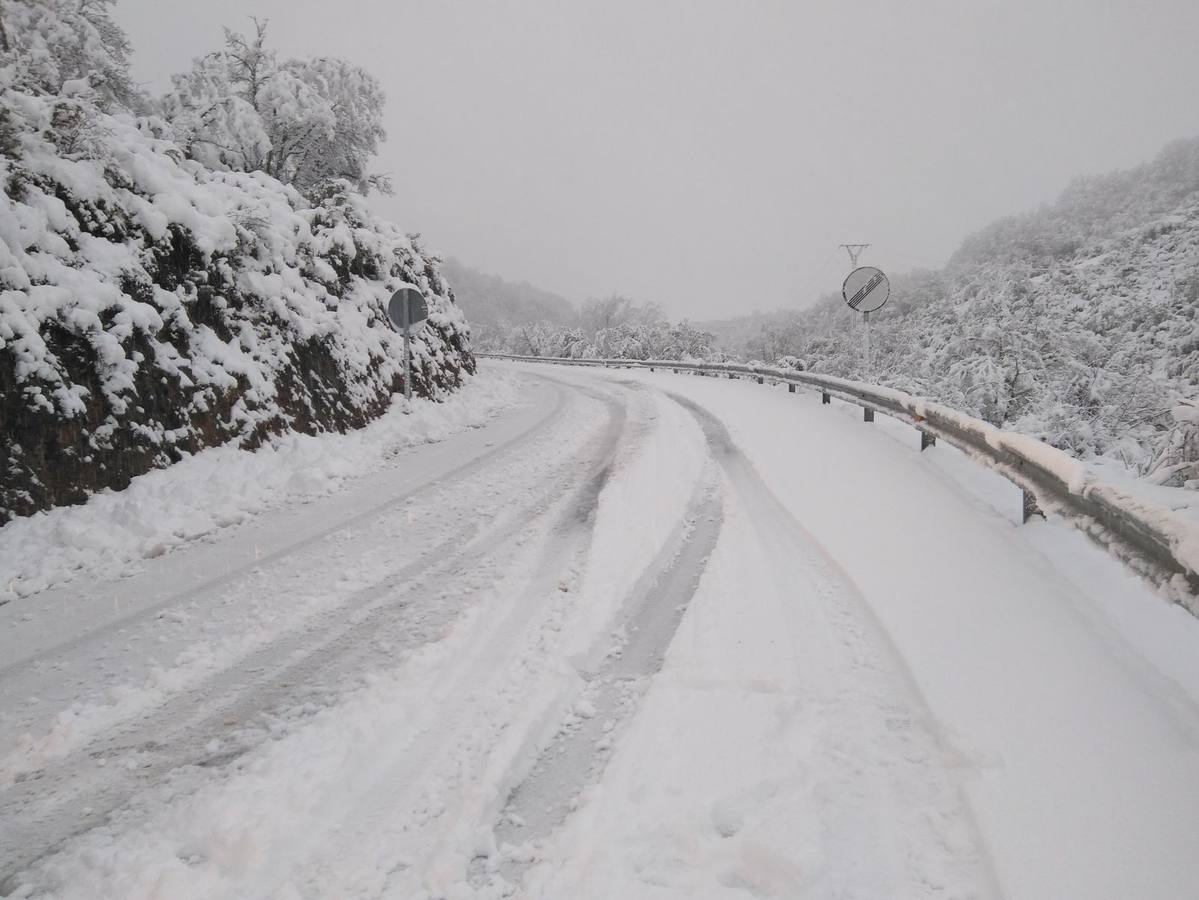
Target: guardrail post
732,375
825,399
651,368
867,414
760,381
676,371
927,440
790,389
1030,506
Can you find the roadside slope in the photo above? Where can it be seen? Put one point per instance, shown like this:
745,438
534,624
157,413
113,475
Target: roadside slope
150,306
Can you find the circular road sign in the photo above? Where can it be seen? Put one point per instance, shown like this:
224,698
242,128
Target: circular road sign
866,289
418,309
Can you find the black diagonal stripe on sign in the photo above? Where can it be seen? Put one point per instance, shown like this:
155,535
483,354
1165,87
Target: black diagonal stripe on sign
865,289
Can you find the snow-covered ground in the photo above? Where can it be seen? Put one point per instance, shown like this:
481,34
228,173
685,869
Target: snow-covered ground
115,530
637,636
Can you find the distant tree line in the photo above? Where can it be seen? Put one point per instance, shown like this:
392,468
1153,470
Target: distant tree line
614,327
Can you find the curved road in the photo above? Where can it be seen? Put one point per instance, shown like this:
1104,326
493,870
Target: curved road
643,636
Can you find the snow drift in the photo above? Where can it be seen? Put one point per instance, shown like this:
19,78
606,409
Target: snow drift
150,306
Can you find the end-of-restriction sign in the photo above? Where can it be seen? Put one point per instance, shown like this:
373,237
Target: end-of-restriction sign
407,308
866,289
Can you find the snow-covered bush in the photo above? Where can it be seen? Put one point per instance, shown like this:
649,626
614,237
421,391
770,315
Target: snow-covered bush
150,305
52,46
1177,460
307,122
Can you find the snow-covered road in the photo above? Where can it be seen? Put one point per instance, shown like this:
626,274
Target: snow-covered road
639,635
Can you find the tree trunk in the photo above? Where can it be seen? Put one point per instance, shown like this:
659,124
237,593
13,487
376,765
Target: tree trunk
4,45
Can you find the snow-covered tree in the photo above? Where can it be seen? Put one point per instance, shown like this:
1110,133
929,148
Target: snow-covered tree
311,123
52,45
325,124
217,125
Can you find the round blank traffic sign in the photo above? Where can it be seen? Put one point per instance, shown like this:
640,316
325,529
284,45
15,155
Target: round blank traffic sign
866,289
418,309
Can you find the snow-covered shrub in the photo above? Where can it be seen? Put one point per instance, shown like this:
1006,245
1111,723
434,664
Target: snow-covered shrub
213,123
306,122
1177,460
150,305
66,44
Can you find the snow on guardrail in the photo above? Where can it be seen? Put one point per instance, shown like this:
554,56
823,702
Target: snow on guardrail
1151,539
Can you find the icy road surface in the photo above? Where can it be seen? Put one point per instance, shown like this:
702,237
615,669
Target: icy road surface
637,635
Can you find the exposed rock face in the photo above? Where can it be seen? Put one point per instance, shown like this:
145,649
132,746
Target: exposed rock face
150,306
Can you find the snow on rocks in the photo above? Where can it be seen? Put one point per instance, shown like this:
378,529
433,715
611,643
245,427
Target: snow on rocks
150,306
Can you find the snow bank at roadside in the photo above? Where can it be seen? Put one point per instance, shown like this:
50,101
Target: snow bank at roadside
1166,519
223,486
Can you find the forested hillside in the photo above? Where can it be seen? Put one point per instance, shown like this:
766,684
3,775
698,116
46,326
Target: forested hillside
495,306
1075,323
187,270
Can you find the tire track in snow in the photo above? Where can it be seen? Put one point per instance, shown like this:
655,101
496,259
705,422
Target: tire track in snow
895,821
365,555
231,576
304,670
372,795
869,807
409,779
613,686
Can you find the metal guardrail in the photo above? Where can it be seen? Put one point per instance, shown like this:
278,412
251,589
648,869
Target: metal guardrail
1154,541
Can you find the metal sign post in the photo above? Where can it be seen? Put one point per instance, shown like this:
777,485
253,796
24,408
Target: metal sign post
866,290
407,309
407,352
866,326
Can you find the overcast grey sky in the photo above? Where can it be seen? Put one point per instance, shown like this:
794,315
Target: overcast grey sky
711,154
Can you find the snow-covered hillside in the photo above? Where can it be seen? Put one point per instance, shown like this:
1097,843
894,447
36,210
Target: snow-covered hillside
1075,323
495,306
151,304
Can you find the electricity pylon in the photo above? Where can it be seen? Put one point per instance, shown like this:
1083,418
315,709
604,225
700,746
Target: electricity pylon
854,251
